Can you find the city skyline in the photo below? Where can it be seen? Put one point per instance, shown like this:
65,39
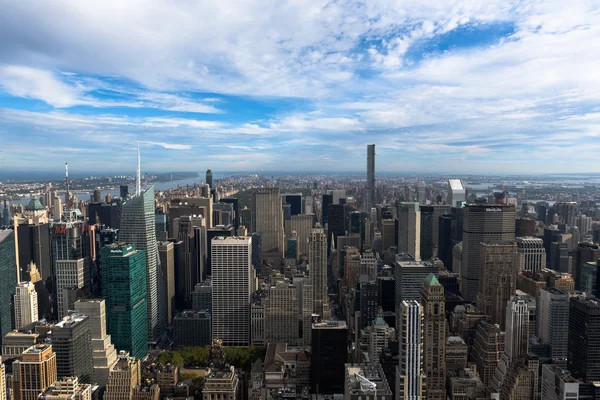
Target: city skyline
496,87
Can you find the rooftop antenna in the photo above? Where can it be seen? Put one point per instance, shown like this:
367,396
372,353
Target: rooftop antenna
138,180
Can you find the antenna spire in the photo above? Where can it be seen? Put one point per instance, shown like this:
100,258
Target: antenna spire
67,195
138,181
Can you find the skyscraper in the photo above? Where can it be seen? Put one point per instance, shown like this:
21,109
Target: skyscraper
2,381
410,377
317,264
456,193
488,347
72,343
489,223
70,274
137,227
370,177
104,354
123,378
8,271
209,177
409,229
329,354
584,338
552,322
434,334
124,288
232,288
26,305
267,219
34,372
167,263
531,253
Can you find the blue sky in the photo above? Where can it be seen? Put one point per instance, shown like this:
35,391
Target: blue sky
454,86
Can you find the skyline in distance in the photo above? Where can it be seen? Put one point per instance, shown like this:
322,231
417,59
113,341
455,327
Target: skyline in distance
457,87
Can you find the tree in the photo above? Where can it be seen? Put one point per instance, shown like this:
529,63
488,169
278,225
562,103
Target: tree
171,357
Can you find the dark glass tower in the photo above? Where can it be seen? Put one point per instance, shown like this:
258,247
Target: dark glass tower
329,354
209,178
8,271
584,338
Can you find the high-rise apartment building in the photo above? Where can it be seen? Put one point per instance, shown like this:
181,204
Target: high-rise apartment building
72,344
497,279
552,322
104,354
124,290
123,378
232,288
138,227
26,305
267,219
410,377
483,223
317,264
329,354
370,177
409,229
433,302
34,372
531,254
9,273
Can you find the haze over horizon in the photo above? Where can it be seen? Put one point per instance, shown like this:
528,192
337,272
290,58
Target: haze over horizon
498,87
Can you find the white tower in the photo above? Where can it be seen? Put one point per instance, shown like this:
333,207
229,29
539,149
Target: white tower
26,305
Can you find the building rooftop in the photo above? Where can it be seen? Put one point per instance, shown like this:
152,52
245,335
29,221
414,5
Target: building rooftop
330,325
432,280
34,205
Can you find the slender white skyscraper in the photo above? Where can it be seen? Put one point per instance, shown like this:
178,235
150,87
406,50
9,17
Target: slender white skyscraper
317,264
26,305
410,377
231,262
138,226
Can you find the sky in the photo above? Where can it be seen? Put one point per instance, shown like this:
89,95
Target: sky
490,87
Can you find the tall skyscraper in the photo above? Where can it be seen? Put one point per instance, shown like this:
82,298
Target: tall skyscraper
72,343
434,334
329,354
456,193
584,338
317,264
232,288
26,305
209,177
302,225
70,274
488,347
421,196
104,354
483,223
9,273
34,372
409,229
409,275
123,378
167,263
410,377
124,288
370,177
497,279
267,219
531,253
552,320
137,227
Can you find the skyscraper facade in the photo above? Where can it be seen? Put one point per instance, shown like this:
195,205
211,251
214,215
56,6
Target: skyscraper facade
584,338
232,288
8,271
434,337
138,227
34,372
26,305
329,354
317,263
2,380
124,288
409,229
456,193
123,378
489,223
72,344
267,219
531,253
209,177
552,322
410,378
370,177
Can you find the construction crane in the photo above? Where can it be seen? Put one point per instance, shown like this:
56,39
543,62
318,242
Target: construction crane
366,385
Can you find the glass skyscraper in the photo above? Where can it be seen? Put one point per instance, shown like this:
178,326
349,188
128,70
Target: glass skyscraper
124,289
8,271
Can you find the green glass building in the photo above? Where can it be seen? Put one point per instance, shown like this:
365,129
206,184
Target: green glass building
124,290
8,271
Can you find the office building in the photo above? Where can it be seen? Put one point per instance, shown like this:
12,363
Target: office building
209,177
483,223
522,379
9,273
365,381
68,388
488,347
70,274
552,321
457,354
202,296
409,229
124,290
194,207
410,377
457,194
583,254
267,219
583,357
329,356
370,177
450,233
434,337
302,225
192,328
123,378
26,305
531,254
232,288
409,276
107,215
104,354
72,344
33,245
137,227
34,372
317,264
166,254
497,279
558,384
